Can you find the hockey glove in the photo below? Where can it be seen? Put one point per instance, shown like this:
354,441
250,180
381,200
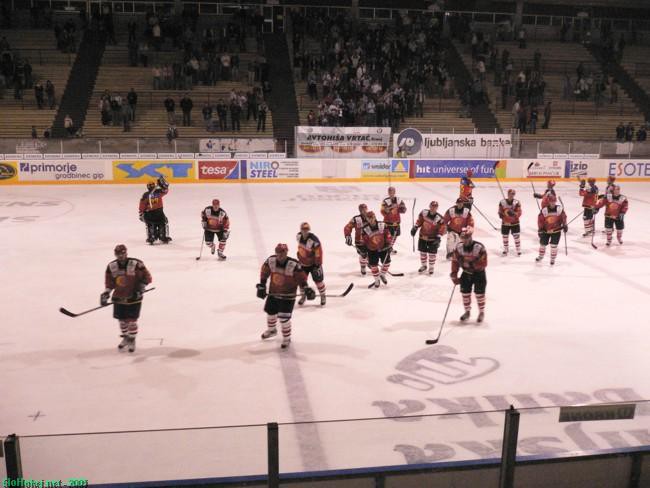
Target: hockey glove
137,293
565,228
454,279
104,297
511,213
226,234
541,233
261,291
414,230
348,240
582,184
309,292
162,183
596,210
141,217
204,224
620,218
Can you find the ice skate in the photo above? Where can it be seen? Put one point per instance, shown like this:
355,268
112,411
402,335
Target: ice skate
150,241
212,249
430,270
504,252
620,241
124,343
363,270
323,300
393,251
480,317
422,268
608,244
518,252
539,258
222,256
165,240
383,278
303,299
465,316
268,333
131,344
376,283
552,262
286,342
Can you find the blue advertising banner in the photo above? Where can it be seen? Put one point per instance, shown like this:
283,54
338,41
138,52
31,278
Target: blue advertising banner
444,168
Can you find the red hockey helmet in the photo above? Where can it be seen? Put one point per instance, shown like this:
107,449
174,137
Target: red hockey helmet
511,192
591,181
470,173
611,179
281,249
151,185
550,183
370,215
305,226
120,249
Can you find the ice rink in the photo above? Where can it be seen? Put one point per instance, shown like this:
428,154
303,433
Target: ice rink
573,333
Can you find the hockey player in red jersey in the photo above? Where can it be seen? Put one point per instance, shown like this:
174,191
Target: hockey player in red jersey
616,206
126,278
589,200
286,276
310,257
471,257
510,213
391,208
378,240
550,190
466,188
432,227
214,220
357,222
551,221
456,218
151,211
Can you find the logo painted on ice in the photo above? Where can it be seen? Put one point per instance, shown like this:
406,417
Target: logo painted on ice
442,365
179,170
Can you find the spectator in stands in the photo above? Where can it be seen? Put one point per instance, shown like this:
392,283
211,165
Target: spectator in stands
419,103
27,73
547,115
156,35
68,125
49,92
39,94
620,132
251,104
613,91
125,116
206,111
533,120
222,112
251,72
116,109
156,74
521,37
537,60
629,132
235,113
641,134
143,53
105,110
234,63
34,133
312,87
261,116
170,107
47,133
186,107
225,66
132,99
172,132
311,118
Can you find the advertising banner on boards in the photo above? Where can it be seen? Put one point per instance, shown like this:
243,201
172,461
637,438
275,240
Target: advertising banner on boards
342,142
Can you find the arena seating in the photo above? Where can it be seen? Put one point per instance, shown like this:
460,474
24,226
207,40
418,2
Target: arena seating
39,48
636,61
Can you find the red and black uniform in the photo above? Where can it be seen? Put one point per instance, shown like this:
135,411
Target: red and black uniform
378,241
357,222
589,199
310,257
472,259
616,207
127,280
551,221
285,279
152,214
455,219
391,208
466,188
545,196
215,222
510,213
432,227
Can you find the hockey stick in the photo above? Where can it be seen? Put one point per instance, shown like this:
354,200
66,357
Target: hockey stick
70,314
566,247
296,295
202,243
581,212
430,342
483,215
413,220
533,186
497,178
395,274
593,233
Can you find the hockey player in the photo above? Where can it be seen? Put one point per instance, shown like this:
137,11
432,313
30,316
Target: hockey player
126,278
550,224
550,190
151,211
589,200
455,219
616,206
286,276
432,227
510,213
611,183
466,187
378,241
471,256
391,208
310,257
214,220
357,222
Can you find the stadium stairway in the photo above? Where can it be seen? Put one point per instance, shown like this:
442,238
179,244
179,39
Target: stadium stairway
483,118
81,82
282,97
638,95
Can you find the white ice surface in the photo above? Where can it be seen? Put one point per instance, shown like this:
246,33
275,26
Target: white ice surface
581,327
